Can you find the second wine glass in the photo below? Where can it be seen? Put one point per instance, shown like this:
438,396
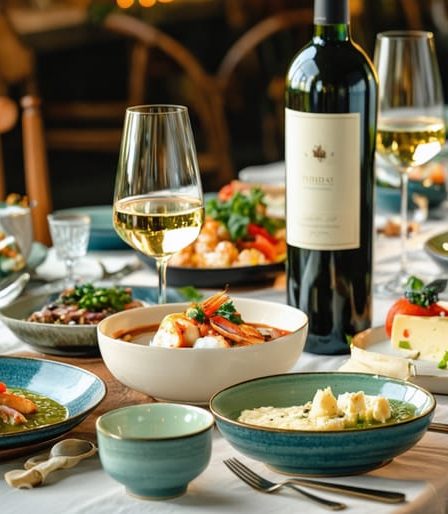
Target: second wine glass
158,199
411,128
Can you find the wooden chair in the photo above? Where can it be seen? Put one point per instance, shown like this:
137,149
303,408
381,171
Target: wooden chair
259,58
37,181
203,95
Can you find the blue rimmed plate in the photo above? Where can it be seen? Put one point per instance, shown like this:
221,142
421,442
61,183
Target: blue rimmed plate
79,391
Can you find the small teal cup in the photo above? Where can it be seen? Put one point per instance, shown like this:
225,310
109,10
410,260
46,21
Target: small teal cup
155,449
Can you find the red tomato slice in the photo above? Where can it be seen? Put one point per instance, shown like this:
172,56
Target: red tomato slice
404,306
263,245
2,387
253,229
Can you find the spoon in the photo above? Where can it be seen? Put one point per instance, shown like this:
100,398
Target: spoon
64,454
13,290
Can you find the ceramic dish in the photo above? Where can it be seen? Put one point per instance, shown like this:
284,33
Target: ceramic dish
102,232
72,340
78,390
427,374
155,449
191,374
437,248
178,276
320,453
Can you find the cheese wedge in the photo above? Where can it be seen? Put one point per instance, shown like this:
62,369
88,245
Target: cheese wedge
427,335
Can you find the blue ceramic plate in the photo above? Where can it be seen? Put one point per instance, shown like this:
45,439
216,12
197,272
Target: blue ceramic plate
320,453
102,233
67,340
78,390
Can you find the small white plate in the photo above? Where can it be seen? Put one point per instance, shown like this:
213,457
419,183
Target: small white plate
427,374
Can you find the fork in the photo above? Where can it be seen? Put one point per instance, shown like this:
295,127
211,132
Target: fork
363,492
261,484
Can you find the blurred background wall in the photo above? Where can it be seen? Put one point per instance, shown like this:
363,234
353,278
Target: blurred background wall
86,74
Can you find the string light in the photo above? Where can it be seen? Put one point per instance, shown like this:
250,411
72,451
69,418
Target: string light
125,4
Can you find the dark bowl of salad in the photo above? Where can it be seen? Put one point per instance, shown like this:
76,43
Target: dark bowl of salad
65,323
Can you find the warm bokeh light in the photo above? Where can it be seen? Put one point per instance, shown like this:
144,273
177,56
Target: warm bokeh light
125,4
165,1
147,3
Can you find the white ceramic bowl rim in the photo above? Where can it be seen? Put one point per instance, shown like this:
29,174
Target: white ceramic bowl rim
207,415
238,348
234,422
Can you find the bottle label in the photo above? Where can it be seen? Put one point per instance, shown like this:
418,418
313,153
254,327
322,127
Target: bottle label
322,155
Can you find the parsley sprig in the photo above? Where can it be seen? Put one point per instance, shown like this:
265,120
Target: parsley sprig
424,295
240,210
96,299
227,310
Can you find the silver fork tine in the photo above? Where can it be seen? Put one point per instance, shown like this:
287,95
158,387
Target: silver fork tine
242,475
244,469
261,484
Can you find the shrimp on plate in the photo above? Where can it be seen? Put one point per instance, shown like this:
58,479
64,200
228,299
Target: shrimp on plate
214,323
13,407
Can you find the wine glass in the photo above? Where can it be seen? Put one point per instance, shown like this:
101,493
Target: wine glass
411,128
158,200
70,236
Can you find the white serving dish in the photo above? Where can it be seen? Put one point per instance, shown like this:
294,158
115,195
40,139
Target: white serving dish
194,375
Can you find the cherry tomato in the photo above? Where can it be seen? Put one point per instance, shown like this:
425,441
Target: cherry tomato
2,387
404,306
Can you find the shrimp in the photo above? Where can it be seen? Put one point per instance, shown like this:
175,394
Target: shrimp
222,256
240,333
11,416
176,331
17,402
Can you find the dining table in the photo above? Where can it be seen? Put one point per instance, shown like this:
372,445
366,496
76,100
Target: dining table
421,473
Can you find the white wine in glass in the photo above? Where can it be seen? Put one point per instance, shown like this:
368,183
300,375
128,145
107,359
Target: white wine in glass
158,201
411,126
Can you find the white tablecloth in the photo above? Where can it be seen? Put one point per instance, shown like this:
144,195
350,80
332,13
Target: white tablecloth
421,473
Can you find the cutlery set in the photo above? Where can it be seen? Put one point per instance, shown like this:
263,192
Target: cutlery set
266,486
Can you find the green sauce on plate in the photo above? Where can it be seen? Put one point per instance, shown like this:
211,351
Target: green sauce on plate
48,412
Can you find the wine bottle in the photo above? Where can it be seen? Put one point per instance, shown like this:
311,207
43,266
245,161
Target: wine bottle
330,128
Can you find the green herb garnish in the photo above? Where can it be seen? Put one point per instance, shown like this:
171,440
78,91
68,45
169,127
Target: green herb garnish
191,293
419,294
406,345
228,311
96,299
196,312
240,210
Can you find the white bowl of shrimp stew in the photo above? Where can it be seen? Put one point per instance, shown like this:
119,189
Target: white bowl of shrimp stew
187,352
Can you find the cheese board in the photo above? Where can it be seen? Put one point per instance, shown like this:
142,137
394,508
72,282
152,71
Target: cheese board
424,373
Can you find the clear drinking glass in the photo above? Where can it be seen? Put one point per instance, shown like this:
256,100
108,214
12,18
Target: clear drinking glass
70,236
411,128
158,200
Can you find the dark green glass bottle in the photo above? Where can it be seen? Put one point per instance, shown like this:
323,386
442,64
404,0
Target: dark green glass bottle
331,113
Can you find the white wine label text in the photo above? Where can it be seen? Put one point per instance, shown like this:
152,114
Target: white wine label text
322,155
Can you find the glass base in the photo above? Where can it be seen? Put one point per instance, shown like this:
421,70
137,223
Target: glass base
392,287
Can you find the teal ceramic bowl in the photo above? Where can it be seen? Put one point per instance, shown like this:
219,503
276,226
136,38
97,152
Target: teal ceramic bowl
320,453
155,449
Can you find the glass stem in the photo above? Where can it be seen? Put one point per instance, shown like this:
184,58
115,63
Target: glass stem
69,268
404,222
161,271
